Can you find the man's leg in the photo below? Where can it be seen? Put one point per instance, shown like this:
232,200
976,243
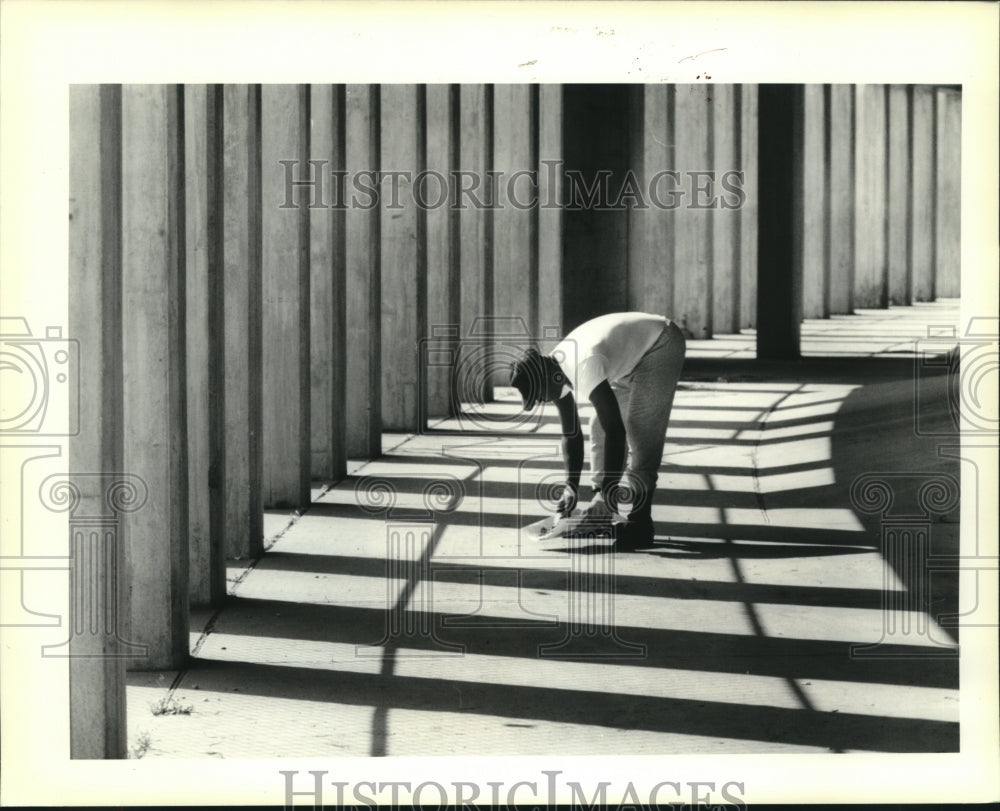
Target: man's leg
597,437
653,385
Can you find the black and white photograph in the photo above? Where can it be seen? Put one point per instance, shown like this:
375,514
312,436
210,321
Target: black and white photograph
571,405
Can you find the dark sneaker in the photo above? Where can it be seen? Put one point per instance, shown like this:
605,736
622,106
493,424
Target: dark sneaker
633,535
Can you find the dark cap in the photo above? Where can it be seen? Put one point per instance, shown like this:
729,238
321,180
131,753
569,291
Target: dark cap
527,375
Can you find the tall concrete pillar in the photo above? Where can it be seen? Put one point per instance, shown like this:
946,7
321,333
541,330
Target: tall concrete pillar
155,413
550,216
693,261
203,136
727,157
328,313
948,242
840,194
899,208
651,253
363,278
404,254
96,671
475,205
241,471
197,329
871,270
515,221
285,263
815,271
780,214
923,191
595,233
443,282
748,213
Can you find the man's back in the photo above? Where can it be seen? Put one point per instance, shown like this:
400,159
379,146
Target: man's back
606,348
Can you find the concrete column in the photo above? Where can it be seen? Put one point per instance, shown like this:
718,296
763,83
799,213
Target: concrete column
948,248
923,192
241,470
815,281
727,157
475,226
203,209
96,672
443,282
364,262
515,222
871,271
595,235
748,213
781,214
899,208
404,254
550,216
198,354
693,137
155,418
651,254
285,262
840,193
327,318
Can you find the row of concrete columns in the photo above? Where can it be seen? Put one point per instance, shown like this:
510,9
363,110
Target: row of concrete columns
897,206
859,199
248,321
878,184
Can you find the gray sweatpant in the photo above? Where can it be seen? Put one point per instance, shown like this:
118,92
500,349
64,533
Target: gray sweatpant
645,398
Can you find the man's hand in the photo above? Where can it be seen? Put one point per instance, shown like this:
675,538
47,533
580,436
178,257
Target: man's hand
567,501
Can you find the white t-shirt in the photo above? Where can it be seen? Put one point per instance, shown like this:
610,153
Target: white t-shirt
606,348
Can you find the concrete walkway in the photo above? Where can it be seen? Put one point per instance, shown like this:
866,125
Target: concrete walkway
405,613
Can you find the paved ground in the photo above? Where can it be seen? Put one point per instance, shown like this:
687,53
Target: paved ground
405,613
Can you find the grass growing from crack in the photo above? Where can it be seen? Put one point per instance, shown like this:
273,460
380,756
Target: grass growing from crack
140,747
170,706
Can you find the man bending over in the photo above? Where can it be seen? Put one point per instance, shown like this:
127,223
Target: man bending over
627,365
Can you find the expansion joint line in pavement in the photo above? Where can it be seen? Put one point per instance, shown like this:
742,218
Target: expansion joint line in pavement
268,545
748,607
381,715
755,453
762,506
758,629
231,591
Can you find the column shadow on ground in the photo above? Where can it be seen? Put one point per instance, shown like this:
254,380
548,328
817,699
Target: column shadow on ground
872,431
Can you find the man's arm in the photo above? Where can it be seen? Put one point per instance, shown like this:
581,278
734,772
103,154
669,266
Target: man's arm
572,439
610,415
